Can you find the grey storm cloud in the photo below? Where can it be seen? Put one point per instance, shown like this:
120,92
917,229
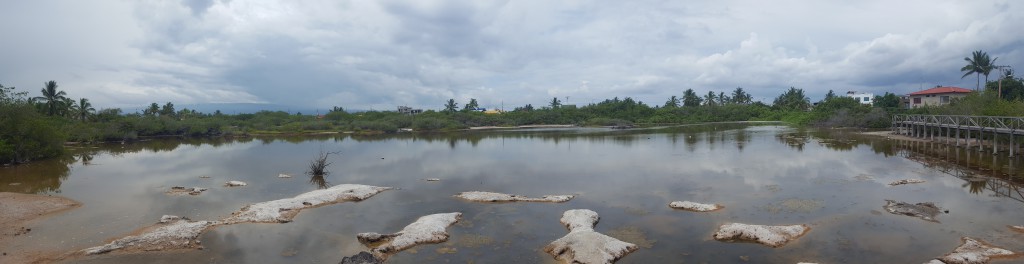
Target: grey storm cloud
379,54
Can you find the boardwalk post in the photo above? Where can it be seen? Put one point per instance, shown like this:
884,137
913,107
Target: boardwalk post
957,134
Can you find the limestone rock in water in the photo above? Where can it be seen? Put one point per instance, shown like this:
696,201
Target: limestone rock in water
426,229
772,236
179,190
494,197
925,211
283,210
973,251
696,207
905,181
361,258
282,175
172,232
1017,228
583,244
235,183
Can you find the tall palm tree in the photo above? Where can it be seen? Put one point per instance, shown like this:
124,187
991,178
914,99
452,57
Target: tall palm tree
979,63
709,99
52,97
84,109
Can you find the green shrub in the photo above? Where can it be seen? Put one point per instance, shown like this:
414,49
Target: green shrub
380,126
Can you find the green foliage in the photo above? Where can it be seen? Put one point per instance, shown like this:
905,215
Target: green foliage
1012,88
601,121
450,106
979,64
167,110
672,102
378,126
54,99
25,135
472,105
690,98
741,97
792,100
432,124
555,103
888,101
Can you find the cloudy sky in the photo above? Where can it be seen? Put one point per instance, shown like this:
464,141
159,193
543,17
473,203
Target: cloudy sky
380,54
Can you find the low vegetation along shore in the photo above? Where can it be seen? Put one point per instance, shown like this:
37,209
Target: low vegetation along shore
37,127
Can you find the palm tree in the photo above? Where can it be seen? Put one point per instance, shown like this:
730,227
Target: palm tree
709,99
979,63
52,96
67,107
84,109
450,106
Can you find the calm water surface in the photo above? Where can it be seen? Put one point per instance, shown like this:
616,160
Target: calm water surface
836,182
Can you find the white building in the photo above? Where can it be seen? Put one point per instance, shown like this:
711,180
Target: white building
863,98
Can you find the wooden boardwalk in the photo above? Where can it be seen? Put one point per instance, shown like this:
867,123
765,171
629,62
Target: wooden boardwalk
997,134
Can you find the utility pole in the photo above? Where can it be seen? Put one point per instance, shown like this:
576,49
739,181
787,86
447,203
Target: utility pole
1006,72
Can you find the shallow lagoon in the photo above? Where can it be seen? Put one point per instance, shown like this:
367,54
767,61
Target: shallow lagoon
834,181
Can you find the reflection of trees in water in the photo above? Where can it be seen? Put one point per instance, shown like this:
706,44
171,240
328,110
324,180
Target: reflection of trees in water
38,176
85,157
795,140
980,171
976,185
741,138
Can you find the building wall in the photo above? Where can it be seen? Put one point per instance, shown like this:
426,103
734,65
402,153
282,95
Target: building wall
933,99
863,98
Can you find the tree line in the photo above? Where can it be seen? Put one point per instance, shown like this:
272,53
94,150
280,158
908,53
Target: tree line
37,127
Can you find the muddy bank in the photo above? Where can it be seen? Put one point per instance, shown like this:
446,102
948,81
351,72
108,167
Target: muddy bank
17,214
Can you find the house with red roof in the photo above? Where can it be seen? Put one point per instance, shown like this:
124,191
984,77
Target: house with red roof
940,95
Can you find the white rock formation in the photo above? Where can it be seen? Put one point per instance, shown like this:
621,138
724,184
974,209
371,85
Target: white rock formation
925,211
494,197
283,210
172,232
426,229
906,181
179,190
235,183
696,207
772,236
282,175
973,251
583,244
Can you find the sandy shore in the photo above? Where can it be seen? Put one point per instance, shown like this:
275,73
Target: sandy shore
888,134
19,212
